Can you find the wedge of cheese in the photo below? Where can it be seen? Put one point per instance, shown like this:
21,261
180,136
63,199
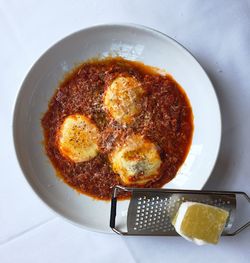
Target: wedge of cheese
200,223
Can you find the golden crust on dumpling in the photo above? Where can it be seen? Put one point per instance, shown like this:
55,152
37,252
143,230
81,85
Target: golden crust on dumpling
122,99
137,160
77,138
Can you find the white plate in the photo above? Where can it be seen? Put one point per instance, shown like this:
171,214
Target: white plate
131,42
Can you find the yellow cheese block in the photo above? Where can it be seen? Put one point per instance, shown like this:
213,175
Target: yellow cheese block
200,223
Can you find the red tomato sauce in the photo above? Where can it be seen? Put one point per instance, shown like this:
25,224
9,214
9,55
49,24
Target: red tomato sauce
166,119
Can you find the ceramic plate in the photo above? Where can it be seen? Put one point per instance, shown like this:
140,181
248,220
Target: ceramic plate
132,42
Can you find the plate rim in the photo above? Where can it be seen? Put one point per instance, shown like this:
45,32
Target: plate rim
21,87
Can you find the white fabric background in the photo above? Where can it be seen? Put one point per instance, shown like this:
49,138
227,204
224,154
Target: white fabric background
216,32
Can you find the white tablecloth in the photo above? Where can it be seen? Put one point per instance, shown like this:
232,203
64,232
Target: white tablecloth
216,32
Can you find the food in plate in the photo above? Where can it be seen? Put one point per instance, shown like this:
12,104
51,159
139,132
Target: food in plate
78,138
123,99
200,223
137,160
113,121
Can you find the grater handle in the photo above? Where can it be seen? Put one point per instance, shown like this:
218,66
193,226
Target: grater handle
237,231
113,212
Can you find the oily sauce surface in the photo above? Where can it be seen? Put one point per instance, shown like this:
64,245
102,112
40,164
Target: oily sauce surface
166,119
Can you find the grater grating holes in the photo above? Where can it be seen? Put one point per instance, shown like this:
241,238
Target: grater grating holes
154,214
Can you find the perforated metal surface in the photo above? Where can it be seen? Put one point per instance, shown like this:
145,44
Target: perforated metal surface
152,213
